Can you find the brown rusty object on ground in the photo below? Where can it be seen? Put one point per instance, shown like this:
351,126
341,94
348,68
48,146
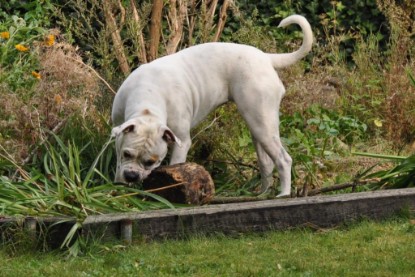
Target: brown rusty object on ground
194,184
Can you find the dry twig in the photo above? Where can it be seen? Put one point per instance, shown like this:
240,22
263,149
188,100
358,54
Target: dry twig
142,50
116,38
342,186
222,19
166,187
155,30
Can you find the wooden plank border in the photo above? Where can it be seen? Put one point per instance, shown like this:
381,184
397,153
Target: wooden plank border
277,214
317,211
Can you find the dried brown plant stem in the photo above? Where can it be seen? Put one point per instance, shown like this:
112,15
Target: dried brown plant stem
19,168
116,37
155,30
166,187
122,12
342,186
176,18
10,158
191,21
211,12
222,19
142,50
95,72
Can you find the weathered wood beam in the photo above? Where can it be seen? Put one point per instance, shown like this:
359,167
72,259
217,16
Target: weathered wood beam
276,214
321,211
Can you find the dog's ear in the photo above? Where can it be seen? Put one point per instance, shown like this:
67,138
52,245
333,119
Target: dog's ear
169,136
126,127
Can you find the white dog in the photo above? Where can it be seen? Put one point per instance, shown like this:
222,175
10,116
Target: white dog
161,101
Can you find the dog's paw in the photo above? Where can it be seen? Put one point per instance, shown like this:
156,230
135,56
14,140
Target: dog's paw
284,195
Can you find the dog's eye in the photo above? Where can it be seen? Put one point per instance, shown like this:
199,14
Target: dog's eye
127,155
149,163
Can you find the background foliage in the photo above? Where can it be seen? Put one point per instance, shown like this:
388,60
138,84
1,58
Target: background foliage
62,61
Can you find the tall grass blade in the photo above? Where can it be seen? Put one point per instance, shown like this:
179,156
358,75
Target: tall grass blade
411,77
400,176
92,169
380,156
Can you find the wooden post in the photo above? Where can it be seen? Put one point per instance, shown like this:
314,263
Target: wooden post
126,230
30,224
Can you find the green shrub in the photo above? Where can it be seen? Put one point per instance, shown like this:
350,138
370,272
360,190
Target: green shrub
19,47
43,82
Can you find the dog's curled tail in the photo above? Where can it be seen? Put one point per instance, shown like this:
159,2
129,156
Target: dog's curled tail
287,59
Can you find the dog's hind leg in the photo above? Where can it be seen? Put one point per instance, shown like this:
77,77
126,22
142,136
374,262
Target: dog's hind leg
259,105
271,152
272,146
284,163
266,167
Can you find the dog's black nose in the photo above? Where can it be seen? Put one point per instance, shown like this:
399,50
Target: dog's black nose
131,176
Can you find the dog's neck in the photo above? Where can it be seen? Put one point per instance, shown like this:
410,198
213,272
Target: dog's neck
148,112
151,115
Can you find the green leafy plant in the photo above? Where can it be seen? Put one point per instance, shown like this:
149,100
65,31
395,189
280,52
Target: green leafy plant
38,12
19,44
315,136
333,124
64,186
402,175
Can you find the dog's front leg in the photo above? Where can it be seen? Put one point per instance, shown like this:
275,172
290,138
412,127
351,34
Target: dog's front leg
179,153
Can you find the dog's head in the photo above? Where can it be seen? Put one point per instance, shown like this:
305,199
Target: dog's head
141,146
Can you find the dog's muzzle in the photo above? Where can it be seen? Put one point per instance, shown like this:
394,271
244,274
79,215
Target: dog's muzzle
131,176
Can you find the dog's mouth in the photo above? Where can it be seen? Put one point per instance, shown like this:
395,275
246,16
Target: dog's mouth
134,176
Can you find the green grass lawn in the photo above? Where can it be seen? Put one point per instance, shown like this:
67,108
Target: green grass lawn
362,249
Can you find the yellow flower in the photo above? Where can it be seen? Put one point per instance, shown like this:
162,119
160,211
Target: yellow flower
36,75
58,99
5,35
21,48
378,123
50,40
